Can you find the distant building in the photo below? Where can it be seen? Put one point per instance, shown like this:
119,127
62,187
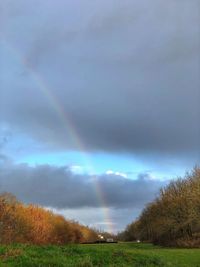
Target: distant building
110,240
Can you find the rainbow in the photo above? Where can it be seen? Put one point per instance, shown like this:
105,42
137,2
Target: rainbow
69,127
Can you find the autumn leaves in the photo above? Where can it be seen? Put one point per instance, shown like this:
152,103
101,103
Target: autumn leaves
35,225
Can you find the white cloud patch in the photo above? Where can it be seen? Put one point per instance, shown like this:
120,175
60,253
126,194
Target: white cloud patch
76,169
110,172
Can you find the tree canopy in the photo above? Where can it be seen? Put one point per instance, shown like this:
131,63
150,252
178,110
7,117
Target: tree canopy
173,218
35,225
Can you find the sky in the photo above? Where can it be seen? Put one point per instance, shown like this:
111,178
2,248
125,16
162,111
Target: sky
99,103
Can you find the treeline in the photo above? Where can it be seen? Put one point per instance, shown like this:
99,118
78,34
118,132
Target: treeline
22,223
173,218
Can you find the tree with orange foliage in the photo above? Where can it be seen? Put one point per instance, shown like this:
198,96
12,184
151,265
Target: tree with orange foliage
35,225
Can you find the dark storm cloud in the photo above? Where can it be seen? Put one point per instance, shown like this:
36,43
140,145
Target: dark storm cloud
125,72
58,187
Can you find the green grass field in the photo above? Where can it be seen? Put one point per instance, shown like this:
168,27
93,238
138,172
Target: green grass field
112,255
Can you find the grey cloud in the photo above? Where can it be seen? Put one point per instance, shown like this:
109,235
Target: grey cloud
3,159
3,141
5,137
126,74
58,187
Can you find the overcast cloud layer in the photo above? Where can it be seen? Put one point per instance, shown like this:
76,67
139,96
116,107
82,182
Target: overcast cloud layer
126,73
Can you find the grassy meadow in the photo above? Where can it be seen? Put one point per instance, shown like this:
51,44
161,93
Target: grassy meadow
102,255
